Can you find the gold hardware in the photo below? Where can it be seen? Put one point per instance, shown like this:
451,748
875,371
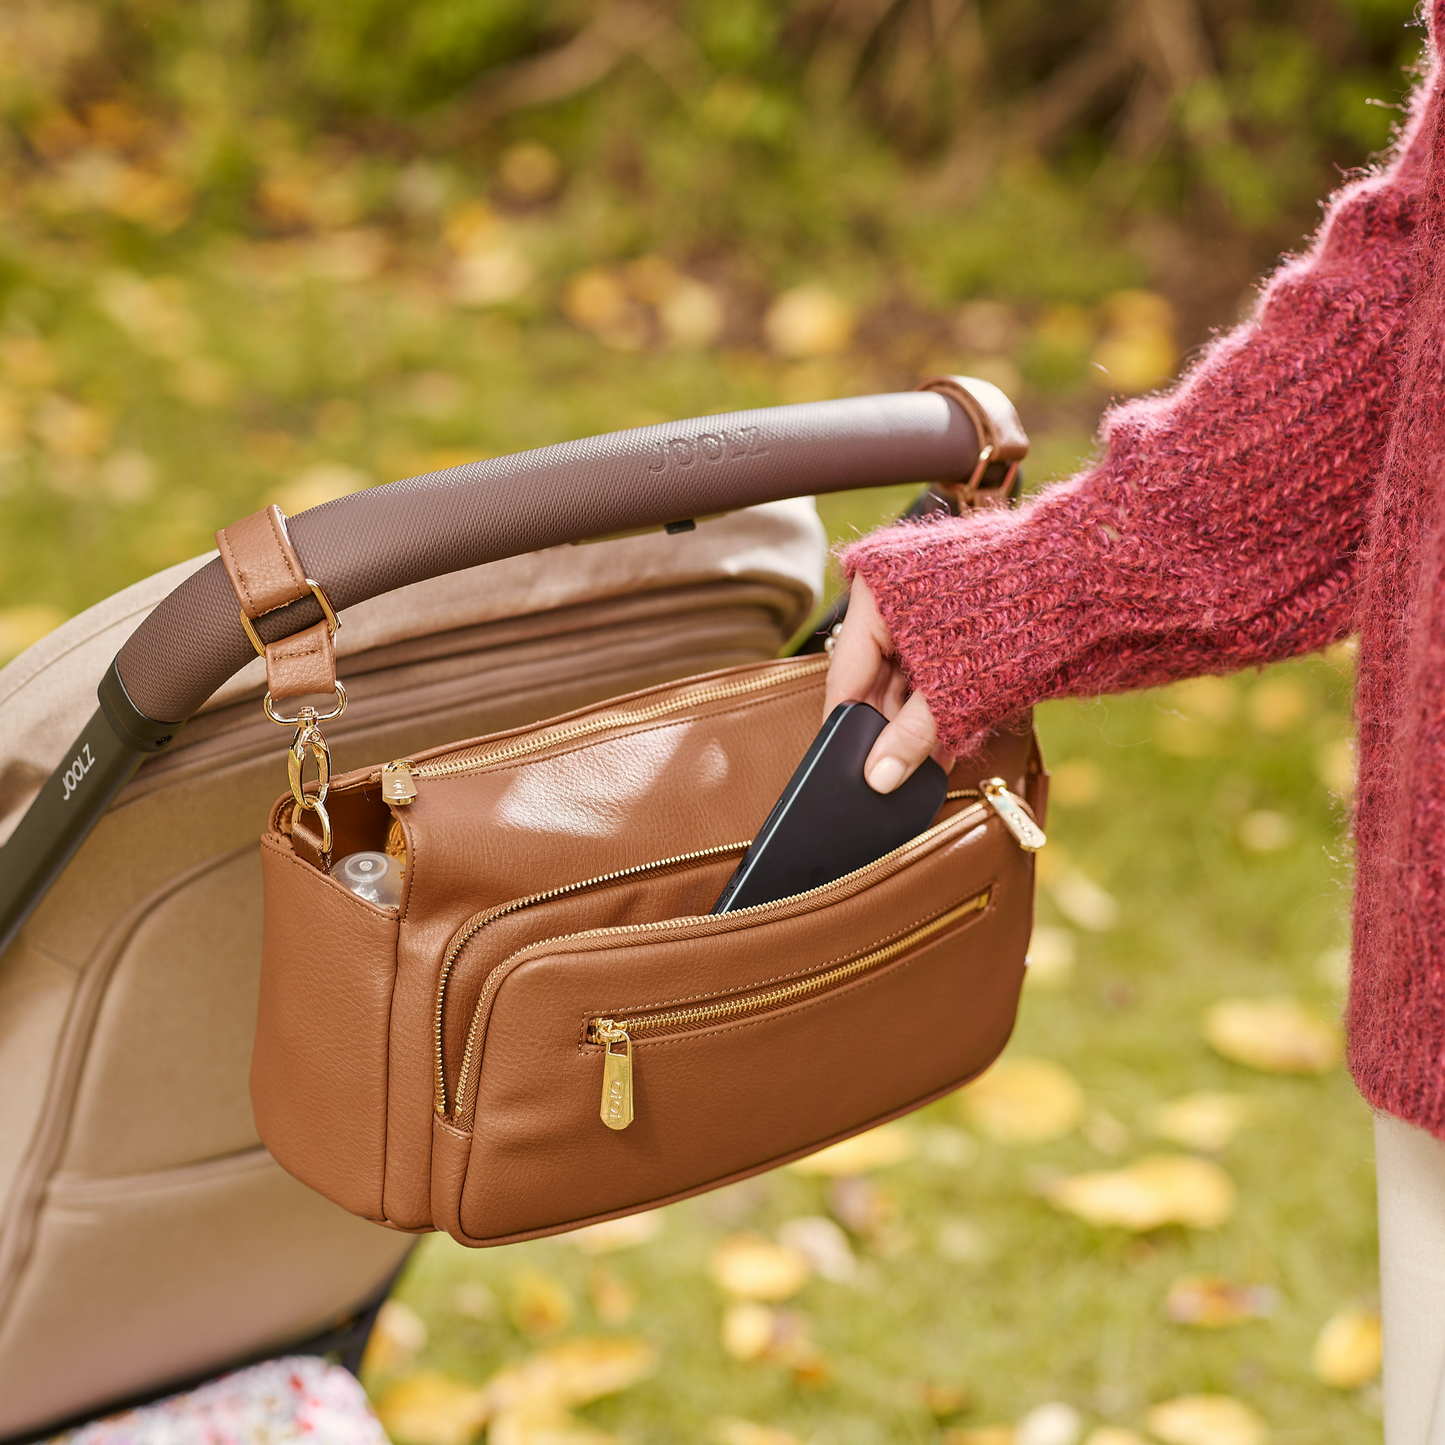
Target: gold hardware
616,1110
315,805
1026,833
307,715
610,1031
804,667
333,623
398,785
477,922
309,739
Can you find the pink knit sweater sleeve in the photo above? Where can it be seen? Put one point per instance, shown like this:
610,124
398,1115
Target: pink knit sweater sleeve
1221,527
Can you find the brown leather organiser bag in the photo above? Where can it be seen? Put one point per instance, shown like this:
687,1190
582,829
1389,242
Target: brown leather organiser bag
551,1029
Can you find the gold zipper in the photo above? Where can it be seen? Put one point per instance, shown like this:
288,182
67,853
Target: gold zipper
588,727
617,1099
479,921
461,1110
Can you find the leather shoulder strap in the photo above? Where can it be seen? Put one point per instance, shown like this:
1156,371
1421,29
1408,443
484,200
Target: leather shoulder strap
266,574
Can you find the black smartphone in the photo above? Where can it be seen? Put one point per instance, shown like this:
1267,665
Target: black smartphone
829,821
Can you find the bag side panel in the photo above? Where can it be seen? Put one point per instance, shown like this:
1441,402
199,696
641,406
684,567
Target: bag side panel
319,1067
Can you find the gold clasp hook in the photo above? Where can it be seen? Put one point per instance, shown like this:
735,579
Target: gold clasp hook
309,739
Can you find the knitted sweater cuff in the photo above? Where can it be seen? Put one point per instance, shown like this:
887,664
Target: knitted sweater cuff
980,609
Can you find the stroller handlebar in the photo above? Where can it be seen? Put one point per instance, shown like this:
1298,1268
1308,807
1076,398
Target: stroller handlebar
375,541
388,537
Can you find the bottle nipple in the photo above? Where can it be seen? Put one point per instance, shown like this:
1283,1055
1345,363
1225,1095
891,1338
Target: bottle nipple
373,876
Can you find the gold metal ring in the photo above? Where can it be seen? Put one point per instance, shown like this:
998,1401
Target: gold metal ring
309,740
333,623
306,715
315,805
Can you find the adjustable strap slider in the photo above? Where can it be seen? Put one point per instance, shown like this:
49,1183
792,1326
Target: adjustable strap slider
266,574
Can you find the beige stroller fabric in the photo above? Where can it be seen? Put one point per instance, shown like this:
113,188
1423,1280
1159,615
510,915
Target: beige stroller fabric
146,1236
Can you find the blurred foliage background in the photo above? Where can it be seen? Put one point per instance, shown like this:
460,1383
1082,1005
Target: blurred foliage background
259,250
281,248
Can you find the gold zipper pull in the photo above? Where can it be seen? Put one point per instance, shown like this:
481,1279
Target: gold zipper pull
1026,833
398,783
616,1108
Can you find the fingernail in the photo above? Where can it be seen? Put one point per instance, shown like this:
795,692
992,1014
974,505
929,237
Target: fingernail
885,775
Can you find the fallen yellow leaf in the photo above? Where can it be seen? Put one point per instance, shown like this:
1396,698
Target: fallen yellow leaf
322,483
1205,1121
693,314
1052,1424
747,1330
980,1435
808,321
1211,699
822,1244
20,627
1277,704
1076,782
1206,1420
617,1234
876,1149
539,1305
1212,1303
569,1374
1114,1435
1024,1101
1335,766
1157,1190
529,171
944,1400
860,1205
1083,902
1050,957
1266,830
727,1431
612,1297
1275,1034
748,1266
397,1337
544,1427
1347,1353
430,1409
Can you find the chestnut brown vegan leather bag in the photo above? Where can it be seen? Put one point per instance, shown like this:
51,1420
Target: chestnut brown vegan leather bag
550,1028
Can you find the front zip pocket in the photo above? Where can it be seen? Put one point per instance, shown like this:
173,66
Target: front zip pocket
460,1109
474,928
616,1035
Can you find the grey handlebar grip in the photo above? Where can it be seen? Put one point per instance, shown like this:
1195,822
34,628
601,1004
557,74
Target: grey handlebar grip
372,542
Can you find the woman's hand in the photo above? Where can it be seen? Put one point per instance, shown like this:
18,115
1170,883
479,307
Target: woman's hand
865,668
